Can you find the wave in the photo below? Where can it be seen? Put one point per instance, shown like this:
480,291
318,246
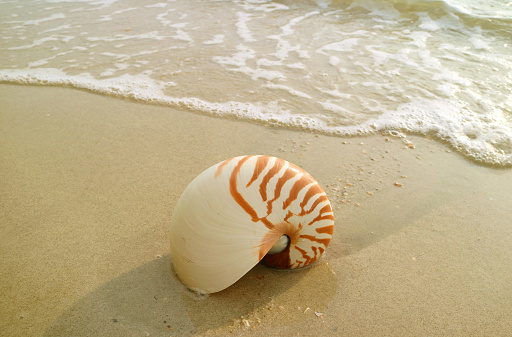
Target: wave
489,14
336,67
487,139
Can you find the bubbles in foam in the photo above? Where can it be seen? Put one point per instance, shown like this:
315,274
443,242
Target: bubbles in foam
442,119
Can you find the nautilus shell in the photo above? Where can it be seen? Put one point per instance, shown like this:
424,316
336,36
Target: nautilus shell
245,210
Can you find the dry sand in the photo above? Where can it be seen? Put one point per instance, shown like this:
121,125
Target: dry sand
88,184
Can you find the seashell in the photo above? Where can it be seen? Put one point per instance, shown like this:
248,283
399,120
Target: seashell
245,210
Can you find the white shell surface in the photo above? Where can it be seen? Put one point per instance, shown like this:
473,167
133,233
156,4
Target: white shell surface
231,215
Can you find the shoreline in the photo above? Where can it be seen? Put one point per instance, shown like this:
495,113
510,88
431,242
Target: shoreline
421,243
404,135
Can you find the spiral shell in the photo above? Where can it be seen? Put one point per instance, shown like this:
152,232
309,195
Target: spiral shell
231,215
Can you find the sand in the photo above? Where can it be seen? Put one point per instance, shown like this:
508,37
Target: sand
422,245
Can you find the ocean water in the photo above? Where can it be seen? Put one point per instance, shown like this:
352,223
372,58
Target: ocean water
439,68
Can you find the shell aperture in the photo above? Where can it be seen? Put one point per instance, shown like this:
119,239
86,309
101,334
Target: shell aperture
232,214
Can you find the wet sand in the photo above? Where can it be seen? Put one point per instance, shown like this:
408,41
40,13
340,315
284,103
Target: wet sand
421,245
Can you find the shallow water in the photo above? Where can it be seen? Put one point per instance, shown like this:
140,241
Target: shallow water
437,68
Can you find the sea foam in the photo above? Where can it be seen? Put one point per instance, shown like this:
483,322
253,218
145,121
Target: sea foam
368,67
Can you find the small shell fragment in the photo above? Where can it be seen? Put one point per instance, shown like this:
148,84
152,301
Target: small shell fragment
398,184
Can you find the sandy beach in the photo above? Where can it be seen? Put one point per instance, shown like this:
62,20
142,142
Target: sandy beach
422,241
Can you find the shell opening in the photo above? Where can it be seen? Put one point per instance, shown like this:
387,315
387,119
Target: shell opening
280,245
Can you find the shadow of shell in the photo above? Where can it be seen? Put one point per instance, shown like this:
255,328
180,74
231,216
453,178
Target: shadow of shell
150,300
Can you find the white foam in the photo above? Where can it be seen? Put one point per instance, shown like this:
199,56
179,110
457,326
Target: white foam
479,43
239,59
335,93
323,3
101,3
337,69
341,46
378,8
43,40
52,17
334,107
334,61
265,6
301,53
62,27
217,38
287,88
297,65
138,87
155,35
37,63
269,75
284,47
288,28
419,39
427,23
181,34
429,61
438,118
268,63
241,26
381,57
162,17
451,77
124,10
157,5
486,137
105,18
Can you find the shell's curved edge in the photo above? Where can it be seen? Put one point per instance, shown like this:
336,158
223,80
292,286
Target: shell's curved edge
233,213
